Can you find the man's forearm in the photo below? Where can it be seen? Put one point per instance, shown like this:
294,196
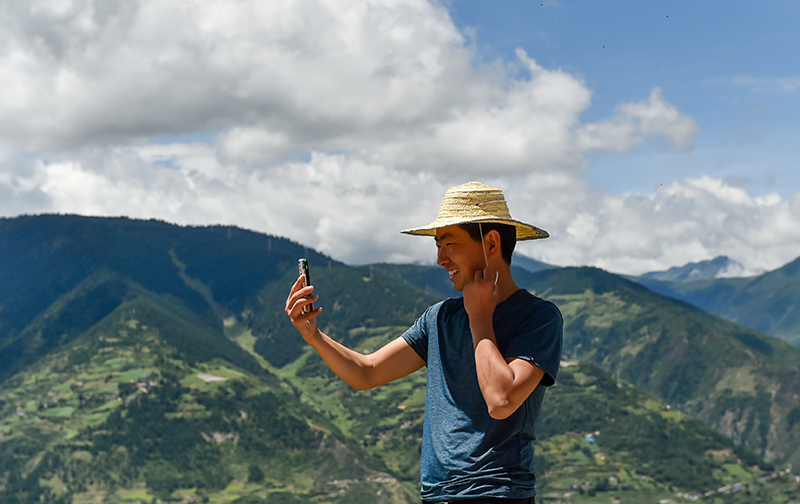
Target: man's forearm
390,362
504,384
360,371
495,378
347,364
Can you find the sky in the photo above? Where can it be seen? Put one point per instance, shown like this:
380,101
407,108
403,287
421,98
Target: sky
640,135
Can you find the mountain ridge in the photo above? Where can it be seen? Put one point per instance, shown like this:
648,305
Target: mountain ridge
143,415
718,267
210,348
769,302
681,354
623,326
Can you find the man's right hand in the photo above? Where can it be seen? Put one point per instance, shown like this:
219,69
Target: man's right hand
299,298
390,362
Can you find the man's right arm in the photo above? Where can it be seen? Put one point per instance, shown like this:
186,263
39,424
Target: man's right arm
394,360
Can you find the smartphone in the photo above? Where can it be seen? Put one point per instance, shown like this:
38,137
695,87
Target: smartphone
302,269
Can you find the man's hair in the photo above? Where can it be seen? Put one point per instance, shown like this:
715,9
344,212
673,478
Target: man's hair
508,236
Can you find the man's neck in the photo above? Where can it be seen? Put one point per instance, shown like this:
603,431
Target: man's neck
506,286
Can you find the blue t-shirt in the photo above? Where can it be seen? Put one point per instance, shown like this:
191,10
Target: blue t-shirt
465,452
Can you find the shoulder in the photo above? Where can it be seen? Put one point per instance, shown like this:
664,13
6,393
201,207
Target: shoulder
533,305
451,311
432,314
445,305
428,325
451,304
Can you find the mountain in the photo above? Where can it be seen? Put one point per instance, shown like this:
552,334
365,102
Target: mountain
146,362
769,302
600,439
597,436
117,415
719,267
114,336
62,274
430,278
121,414
738,380
530,264
433,278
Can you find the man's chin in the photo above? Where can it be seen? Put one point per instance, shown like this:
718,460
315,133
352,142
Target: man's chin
458,281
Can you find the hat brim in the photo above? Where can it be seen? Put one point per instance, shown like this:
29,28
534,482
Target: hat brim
524,231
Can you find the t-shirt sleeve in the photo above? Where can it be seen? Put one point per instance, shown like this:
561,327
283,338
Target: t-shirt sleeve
539,340
417,335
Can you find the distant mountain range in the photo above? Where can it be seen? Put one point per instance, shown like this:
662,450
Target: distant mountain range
769,302
719,267
142,362
530,264
716,369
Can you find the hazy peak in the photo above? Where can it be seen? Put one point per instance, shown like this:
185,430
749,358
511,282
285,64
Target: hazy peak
719,267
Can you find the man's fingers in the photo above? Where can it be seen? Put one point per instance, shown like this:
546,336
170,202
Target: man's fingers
298,292
298,284
302,317
301,292
296,304
486,274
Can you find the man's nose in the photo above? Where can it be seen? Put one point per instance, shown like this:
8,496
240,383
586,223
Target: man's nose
441,257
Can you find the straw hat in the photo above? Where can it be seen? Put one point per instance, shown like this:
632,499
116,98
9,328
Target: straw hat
474,202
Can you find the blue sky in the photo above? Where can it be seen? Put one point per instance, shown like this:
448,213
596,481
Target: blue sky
732,66
641,135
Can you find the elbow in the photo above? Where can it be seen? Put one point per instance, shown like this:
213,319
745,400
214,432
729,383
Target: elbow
362,381
500,409
366,377
359,386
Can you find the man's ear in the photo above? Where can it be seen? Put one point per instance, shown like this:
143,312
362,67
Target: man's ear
492,239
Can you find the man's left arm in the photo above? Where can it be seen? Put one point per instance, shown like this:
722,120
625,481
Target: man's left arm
505,383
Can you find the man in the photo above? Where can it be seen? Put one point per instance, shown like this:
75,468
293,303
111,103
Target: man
490,355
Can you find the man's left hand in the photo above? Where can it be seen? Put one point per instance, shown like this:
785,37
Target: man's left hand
481,295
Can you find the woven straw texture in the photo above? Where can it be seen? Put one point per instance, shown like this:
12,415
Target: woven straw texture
476,202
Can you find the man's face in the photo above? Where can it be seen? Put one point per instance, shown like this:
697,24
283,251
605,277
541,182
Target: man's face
459,254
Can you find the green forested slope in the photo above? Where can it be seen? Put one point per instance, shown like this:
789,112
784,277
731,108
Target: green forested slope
769,302
598,439
349,298
121,414
59,275
436,280
601,440
736,379
144,362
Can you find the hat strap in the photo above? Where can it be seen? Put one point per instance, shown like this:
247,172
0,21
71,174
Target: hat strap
485,256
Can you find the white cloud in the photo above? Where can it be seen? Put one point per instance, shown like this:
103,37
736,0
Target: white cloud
354,210
523,126
636,121
86,72
337,124
285,77
695,219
